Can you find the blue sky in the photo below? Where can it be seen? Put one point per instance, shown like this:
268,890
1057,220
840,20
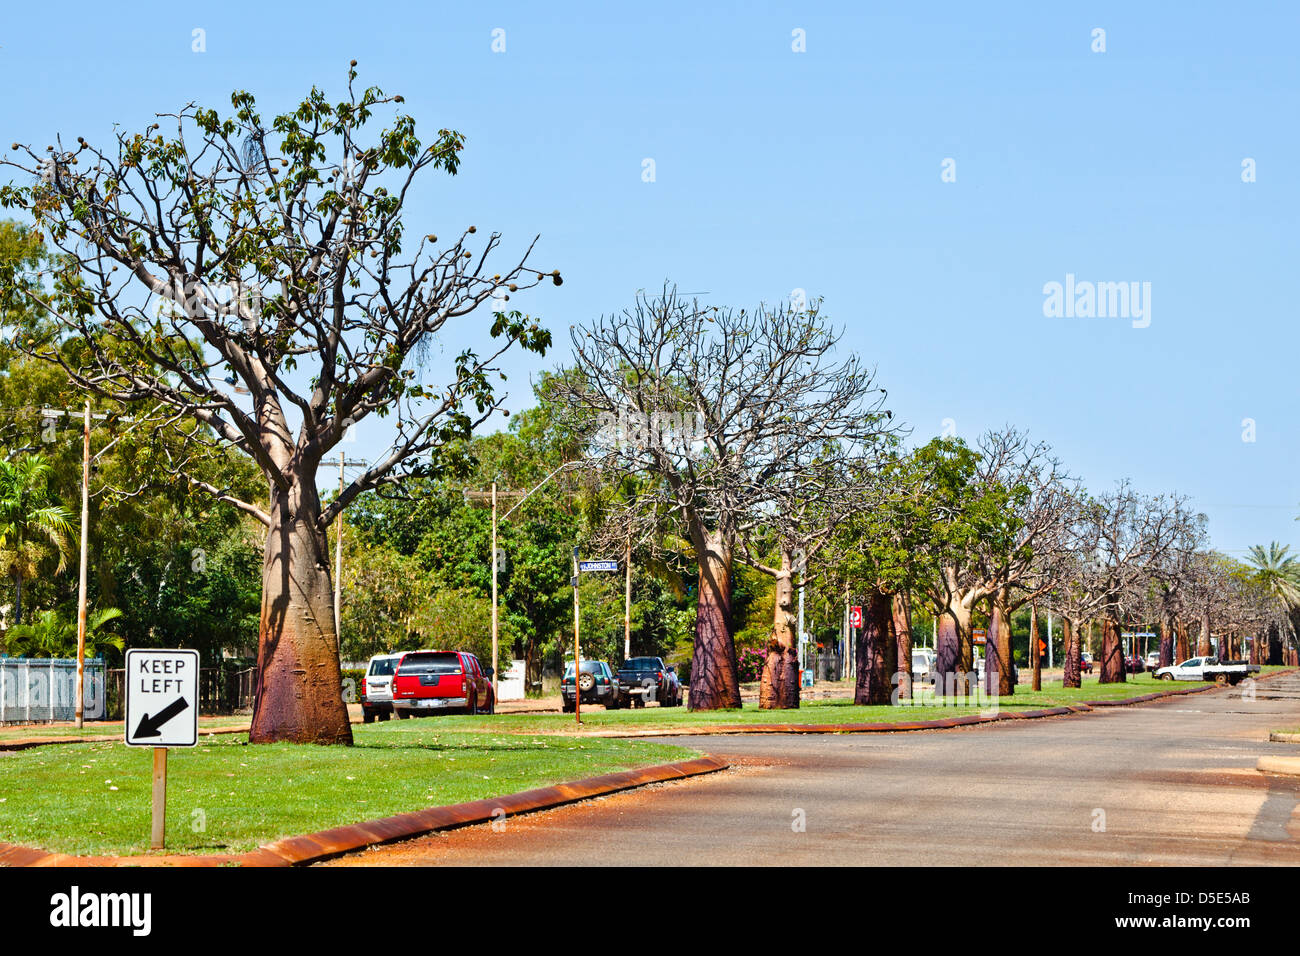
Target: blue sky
821,170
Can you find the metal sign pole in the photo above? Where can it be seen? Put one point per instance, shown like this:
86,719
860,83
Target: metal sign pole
157,834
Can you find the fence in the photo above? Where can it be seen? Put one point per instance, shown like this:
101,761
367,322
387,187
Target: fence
45,689
222,690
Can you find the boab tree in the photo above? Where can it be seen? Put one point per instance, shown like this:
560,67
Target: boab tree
232,254
1021,562
725,412
1120,540
879,554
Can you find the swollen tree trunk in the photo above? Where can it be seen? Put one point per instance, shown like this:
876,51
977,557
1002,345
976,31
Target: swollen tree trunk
715,683
1112,653
902,619
877,652
1166,643
779,689
998,672
1073,676
953,663
299,684
1183,650
1204,648
1274,645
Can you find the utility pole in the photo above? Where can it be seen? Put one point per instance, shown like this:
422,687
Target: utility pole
86,459
343,462
81,571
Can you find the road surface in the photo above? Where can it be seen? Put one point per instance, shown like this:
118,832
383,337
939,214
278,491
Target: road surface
1165,783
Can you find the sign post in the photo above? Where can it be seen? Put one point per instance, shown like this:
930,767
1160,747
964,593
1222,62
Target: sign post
577,655
162,711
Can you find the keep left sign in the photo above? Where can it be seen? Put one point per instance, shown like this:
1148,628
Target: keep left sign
162,698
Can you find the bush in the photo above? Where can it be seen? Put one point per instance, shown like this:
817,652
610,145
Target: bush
749,664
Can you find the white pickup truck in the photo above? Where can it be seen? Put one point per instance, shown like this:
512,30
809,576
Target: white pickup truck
1209,668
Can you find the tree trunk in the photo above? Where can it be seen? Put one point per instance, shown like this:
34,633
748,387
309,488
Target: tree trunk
1035,652
1204,648
1166,643
715,684
18,599
1112,652
1274,645
1073,676
779,689
999,664
902,617
877,652
299,684
1183,650
953,663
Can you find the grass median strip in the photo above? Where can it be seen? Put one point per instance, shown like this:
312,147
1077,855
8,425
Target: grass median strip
835,711
227,797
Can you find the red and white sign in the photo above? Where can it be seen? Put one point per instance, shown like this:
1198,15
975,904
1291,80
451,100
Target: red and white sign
979,636
855,616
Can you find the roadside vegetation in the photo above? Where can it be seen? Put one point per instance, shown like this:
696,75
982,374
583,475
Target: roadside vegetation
224,796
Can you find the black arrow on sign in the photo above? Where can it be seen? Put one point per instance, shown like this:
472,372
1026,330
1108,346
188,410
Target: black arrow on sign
149,726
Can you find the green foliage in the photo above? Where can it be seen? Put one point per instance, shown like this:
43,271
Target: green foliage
54,634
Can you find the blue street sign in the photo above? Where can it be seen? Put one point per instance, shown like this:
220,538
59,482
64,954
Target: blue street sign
597,566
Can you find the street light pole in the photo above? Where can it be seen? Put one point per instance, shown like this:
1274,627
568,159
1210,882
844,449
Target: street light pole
493,496
338,555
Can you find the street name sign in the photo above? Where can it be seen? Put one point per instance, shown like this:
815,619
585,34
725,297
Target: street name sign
162,698
584,566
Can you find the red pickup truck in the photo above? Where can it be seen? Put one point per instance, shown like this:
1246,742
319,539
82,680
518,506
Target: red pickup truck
428,681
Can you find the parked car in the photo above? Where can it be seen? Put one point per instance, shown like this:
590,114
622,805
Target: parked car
597,684
643,679
1208,668
922,664
427,681
1133,664
1085,662
1153,660
377,687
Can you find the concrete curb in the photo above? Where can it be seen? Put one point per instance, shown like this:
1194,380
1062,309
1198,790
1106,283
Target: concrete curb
1284,765
1279,737
315,847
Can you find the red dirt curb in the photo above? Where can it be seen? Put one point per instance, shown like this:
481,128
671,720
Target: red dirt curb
314,847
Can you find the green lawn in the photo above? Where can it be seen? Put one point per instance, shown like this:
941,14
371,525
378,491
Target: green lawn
93,798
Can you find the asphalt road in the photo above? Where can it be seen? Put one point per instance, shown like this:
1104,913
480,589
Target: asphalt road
1165,783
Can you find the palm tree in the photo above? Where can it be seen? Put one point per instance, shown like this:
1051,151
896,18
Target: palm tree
1278,572
33,526
52,635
